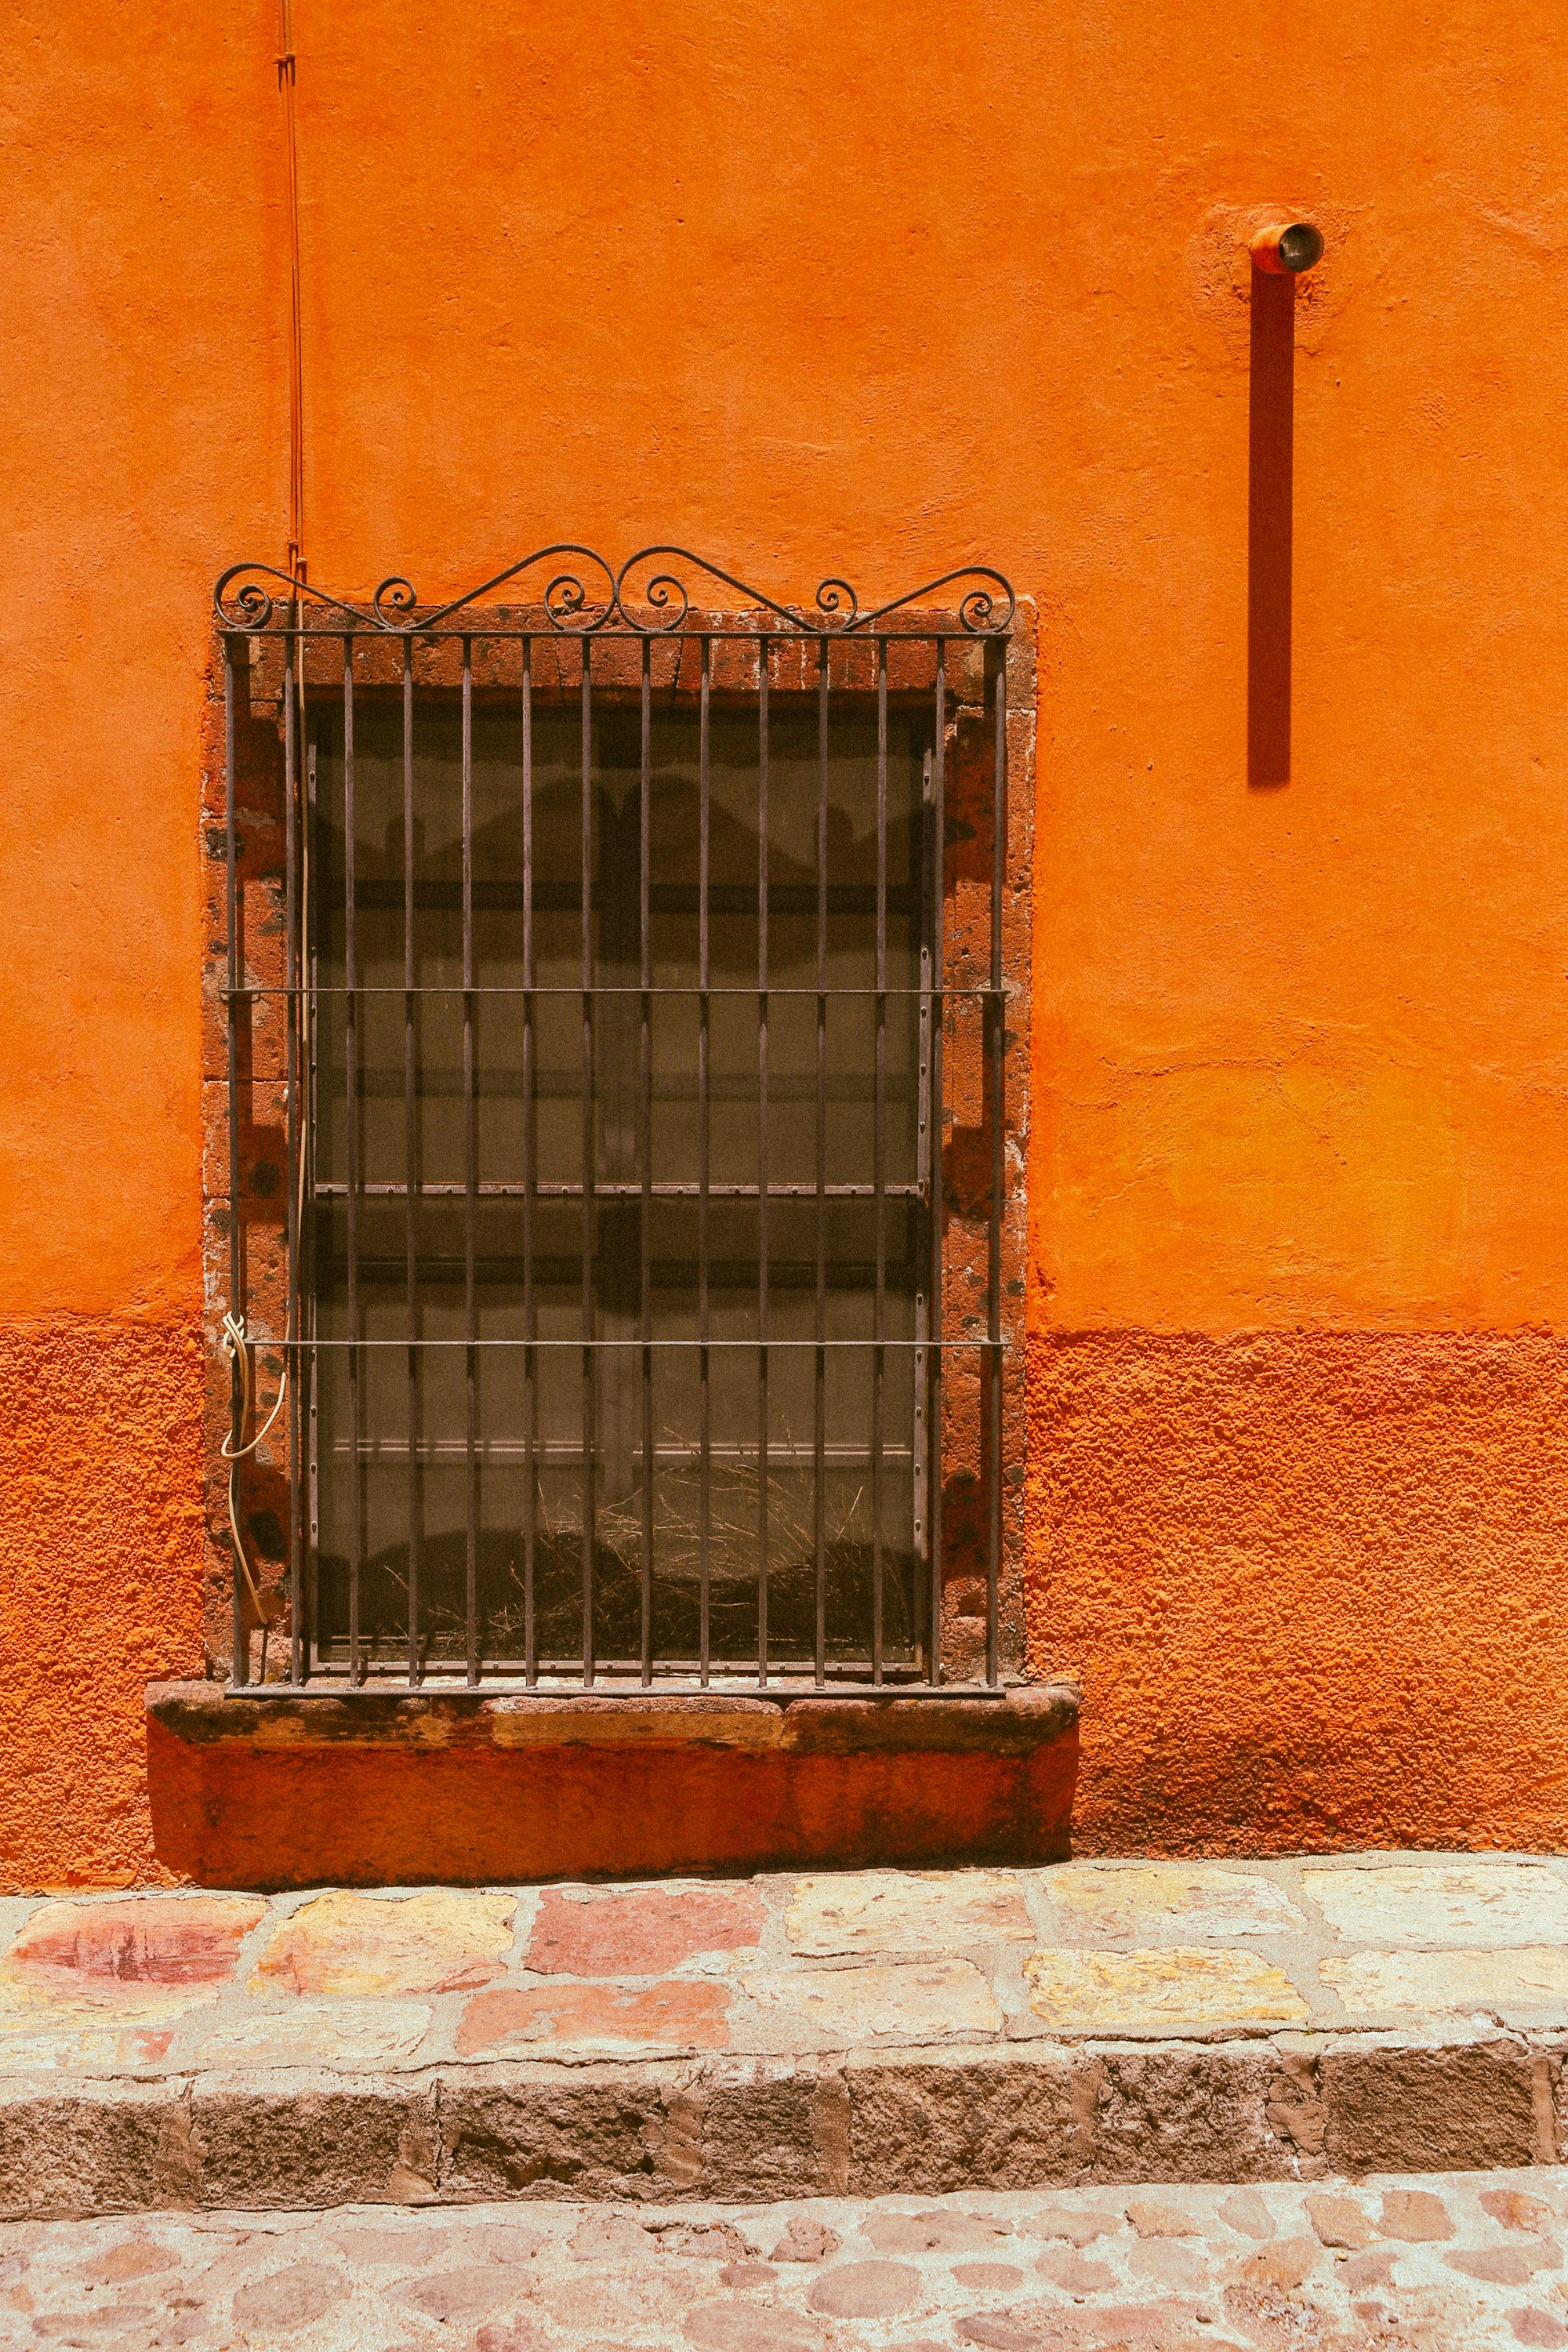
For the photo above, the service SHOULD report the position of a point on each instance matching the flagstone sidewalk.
(856, 2033)
(1471, 2263)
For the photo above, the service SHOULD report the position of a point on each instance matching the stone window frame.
(260, 774)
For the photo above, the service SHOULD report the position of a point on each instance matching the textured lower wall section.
(100, 1587)
(1315, 1586)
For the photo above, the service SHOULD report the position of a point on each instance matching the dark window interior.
(468, 1218)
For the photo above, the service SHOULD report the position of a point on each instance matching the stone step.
(850, 2034)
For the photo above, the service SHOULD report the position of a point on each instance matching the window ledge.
(1016, 1722)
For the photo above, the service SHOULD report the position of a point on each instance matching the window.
(607, 987)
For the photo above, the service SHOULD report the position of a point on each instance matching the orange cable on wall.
(236, 1342)
(296, 351)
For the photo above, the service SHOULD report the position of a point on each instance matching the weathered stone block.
(773, 2130)
(1159, 2217)
(837, 2009)
(364, 2142)
(345, 2036)
(1503, 2265)
(1186, 1984)
(1247, 2213)
(285, 2299)
(623, 2021)
(942, 2231)
(147, 1956)
(1295, 2110)
(1515, 2209)
(33, 2041)
(1529, 1982)
(1339, 2222)
(440, 1941)
(551, 2131)
(1416, 2216)
(642, 1931)
(1061, 2266)
(1169, 2113)
(875, 2290)
(1278, 2268)
(907, 1911)
(1420, 1902)
(1136, 1900)
(923, 2127)
(111, 2147)
(1423, 2107)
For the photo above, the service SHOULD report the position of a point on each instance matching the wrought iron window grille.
(599, 978)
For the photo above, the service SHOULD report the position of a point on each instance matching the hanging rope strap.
(236, 1348)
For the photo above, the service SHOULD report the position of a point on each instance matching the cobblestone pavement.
(1466, 2261)
(168, 1984)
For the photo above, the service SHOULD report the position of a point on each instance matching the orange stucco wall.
(871, 291)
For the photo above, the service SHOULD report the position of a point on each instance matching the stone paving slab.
(1474, 2263)
(786, 2034)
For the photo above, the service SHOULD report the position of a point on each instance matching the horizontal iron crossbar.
(976, 990)
(782, 1688)
(601, 1189)
(771, 1346)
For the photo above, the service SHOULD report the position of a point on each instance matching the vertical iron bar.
(819, 1443)
(644, 1153)
(878, 1172)
(998, 1106)
(313, 896)
(529, 1134)
(350, 1171)
(762, 1159)
(935, 1392)
(704, 1425)
(292, 1362)
(589, 1516)
(471, 1186)
(921, 1397)
(240, 1645)
(410, 1164)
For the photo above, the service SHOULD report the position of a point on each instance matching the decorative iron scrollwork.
(648, 602)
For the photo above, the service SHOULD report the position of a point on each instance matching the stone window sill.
(1022, 1719)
